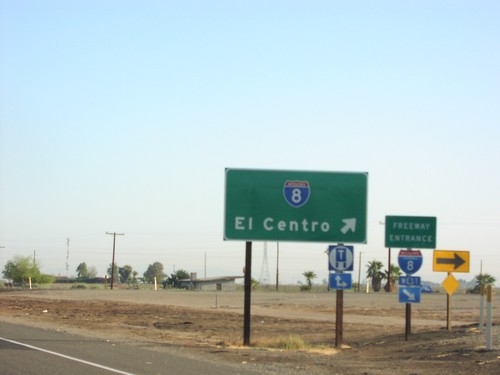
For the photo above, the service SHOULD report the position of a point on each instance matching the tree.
(482, 279)
(390, 285)
(174, 278)
(134, 277)
(20, 269)
(154, 270)
(182, 274)
(126, 274)
(82, 272)
(310, 276)
(116, 274)
(254, 283)
(92, 272)
(374, 272)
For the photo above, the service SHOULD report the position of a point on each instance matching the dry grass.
(291, 342)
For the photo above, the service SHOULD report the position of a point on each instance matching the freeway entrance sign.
(272, 205)
(450, 261)
(411, 232)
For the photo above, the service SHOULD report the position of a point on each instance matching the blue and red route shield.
(296, 193)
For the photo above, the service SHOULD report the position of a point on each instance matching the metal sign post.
(450, 261)
(408, 322)
(410, 262)
(339, 319)
(481, 308)
(488, 318)
(248, 293)
(341, 258)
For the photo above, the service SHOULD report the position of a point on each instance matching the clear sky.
(122, 115)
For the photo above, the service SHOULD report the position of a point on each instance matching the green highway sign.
(411, 232)
(270, 205)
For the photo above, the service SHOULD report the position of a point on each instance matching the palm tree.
(309, 275)
(374, 272)
(390, 286)
(482, 279)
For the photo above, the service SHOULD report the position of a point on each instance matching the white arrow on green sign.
(295, 206)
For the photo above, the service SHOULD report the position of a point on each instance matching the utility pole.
(359, 271)
(67, 256)
(114, 234)
(277, 265)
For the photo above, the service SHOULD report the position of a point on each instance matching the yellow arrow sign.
(451, 261)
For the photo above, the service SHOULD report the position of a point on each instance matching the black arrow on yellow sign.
(456, 261)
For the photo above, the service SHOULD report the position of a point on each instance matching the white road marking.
(68, 357)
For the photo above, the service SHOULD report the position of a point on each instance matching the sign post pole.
(488, 319)
(410, 262)
(448, 309)
(248, 293)
(481, 308)
(408, 321)
(339, 321)
(450, 261)
(341, 258)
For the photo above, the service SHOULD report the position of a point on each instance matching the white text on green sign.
(412, 232)
(295, 206)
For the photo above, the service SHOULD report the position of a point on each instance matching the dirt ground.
(210, 324)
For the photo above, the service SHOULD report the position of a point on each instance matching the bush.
(79, 286)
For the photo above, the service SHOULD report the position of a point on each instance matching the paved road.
(33, 351)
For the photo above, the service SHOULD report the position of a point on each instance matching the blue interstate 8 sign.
(410, 261)
(296, 193)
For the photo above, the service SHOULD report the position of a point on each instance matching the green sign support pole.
(248, 294)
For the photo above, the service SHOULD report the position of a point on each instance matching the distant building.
(220, 283)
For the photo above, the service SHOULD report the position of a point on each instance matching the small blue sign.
(409, 294)
(410, 261)
(296, 193)
(409, 280)
(341, 258)
(340, 281)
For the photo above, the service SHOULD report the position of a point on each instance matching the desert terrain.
(291, 332)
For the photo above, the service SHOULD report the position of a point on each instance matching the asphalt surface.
(27, 350)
